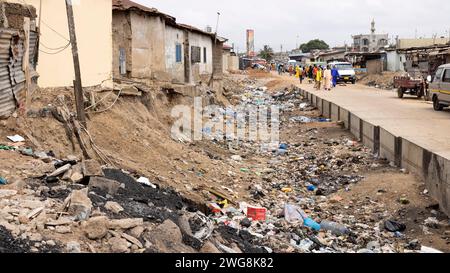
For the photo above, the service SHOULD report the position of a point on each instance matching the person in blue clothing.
(334, 75)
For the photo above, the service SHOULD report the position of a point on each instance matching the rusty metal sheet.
(12, 77)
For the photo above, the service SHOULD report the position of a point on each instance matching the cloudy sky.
(288, 23)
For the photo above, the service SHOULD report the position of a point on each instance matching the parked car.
(258, 66)
(346, 72)
(440, 88)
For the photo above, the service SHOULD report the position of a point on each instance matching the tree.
(266, 53)
(314, 44)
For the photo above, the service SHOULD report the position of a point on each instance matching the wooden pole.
(26, 63)
(78, 88)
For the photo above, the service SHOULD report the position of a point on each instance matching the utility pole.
(78, 87)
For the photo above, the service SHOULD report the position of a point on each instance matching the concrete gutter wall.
(432, 168)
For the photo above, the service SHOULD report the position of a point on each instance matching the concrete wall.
(387, 145)
(326, 111)
(412, 156)
(408, 43)
(225, 59)
(433, 168)
(374, 66)
(345, 117)
(334, 112)
(122, 38)
(93, 20)
(318, 103)
(436, 173)
(395, 61)
(368, 131)
(174, 36)
(148, 45)
(233, 63)
(198, 69)
(355, 126)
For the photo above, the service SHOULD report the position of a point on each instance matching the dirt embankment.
(385, 80)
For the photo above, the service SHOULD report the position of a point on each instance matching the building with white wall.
(93, 20)
(148, 44)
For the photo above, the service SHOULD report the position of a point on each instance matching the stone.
(104, 184)
(432, 222)
(209, 247)
(91, 167)
(7, 193)
(236, 158)
(35, 237)
(137, 231)
(63, 229)
(60, 170)
(125, 223)
(76, 177)
(63, 221)
(67, 175)
(79, 204)
(96, 227)
(77, 174)
(129, 90)
(132, 240)
(43, 156)
(118, 245)
(73, 247)
(51, 243)
(72, 158)
(114, 207)
(167, 238)
(373, 245)
(23, 219)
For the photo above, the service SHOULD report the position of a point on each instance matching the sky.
(291, 23)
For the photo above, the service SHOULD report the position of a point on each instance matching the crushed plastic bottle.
(335, 228)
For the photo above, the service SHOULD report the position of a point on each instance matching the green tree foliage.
(266, 53)
(314, 44)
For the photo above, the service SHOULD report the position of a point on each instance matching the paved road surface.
(410, 118)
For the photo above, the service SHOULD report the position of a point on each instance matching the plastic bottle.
(308, 222)
(335, 228)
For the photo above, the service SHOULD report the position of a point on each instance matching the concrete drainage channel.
(432, 168)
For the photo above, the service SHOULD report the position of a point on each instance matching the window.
(204, 55)
(178, 53)
(438, 75)
(122, 61)
(196, 53)
(446, 77)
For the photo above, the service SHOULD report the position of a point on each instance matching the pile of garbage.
(292, 209)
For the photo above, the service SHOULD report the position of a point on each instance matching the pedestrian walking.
(299, 73)
(335, 75)
(327, 78)
(319, 77)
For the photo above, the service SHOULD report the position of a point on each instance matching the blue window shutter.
(178, 53)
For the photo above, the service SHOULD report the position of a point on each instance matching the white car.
(345, 70)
